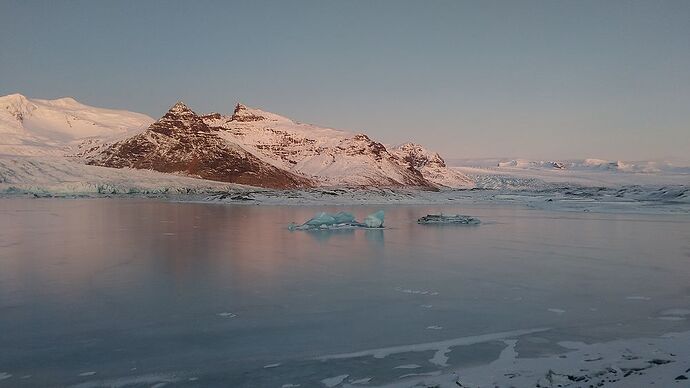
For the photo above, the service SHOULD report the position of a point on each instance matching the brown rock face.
(180, 142)
(242, 114)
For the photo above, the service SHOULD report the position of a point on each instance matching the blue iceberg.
(340, 220)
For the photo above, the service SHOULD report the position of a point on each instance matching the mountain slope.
(325, 155)
(47, 127)
(180, 142)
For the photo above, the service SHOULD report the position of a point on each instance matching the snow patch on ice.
(439, 346)
(334, 381)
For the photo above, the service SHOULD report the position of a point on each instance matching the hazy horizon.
(537, 80)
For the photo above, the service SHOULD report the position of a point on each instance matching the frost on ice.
(340, 220)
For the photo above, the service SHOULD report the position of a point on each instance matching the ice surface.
(448, 219)
(340, 220)
(640, 362)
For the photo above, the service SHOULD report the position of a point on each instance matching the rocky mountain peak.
(180, 108)
(179, 118)
(417, 156)
(243, 114)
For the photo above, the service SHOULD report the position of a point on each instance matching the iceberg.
(340, 220)
(374, 220)
(443, 219)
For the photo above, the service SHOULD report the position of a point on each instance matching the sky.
(470, 79)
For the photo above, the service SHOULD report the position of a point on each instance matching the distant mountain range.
(250, 147)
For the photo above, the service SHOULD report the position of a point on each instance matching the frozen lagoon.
(139, 292)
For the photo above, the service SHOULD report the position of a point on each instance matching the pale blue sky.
(537, 79)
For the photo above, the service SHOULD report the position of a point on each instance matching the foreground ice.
(658, 361)
(340, 220)
(448, 219)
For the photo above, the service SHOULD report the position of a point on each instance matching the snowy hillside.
(47, 127)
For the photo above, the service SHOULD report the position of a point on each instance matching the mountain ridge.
(251, 146)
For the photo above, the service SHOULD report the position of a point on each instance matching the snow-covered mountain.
(181, 142)
(256, 147)
(46, 127)
(328, 156)
(251, 146)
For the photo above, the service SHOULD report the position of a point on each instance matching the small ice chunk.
(557, 311)
(227, 315)
(334, 381)
(435, 327)
(84, 374)
(408, 366)
(4, 376)
(374, 220)
(365, 380)
(269, 366)
(448, 219)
